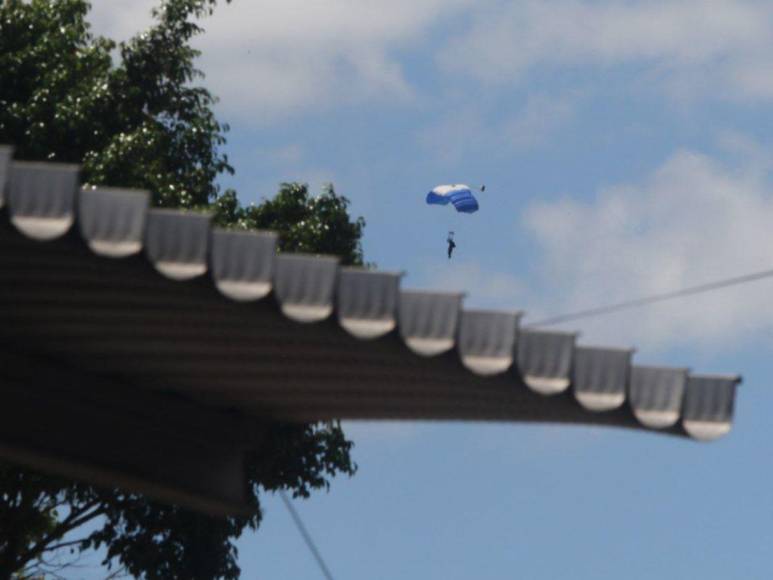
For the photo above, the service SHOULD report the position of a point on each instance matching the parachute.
(462, 199)
(459, 195)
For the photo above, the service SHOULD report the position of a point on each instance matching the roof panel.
(427, 320)
(367, 302)
(196, 350)
(656, 395)
(99, 314)
(305, 285)
(708, 406)
(41, 198)
(176, 242)
(545, 360)
(6, 153)
(112, 221)
(242, 263)
(600, 377)
(487, 340)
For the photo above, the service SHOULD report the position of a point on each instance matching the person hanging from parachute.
(451, 244)
(462, 199)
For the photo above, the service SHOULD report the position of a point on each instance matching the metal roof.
(161, 302)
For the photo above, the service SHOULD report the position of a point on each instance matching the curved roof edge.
(44, 202)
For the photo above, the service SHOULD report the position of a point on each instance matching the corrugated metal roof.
(97, 279)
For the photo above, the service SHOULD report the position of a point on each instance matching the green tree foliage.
(304, 223)
(133, 116)
(138, 123)
(29, 505)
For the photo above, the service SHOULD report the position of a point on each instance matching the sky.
(626, 150)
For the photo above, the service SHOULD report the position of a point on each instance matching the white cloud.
(539, 119)
(450, 139)
(121, 19)
(690, 46)
(278, 56)
(531, 127)
(268, 58)
(695, 220)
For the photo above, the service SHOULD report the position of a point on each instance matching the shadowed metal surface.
(601, 377)
(213, 317)
(367, 301)
(242, 262)
(708, 406)
(304, 286)
(95, 428)
(545, 360)
(487, 340)
(5, 161)
(112, 221)
(41, 198)
(656, 395)
(427, 321)
(176, 243)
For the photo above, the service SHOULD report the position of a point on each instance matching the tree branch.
(64, 544)
(74, 519)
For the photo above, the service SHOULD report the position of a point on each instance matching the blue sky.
(626, 148)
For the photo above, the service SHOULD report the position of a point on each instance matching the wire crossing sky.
(306, 536)
(612, 308)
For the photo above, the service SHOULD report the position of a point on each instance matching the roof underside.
(150, 305)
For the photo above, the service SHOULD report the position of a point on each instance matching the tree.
(139, 121)
(304, 223)
(137, 124)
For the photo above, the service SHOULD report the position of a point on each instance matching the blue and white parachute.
(458, 194)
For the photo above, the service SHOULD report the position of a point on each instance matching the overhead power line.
(601, 310)
(306, 536)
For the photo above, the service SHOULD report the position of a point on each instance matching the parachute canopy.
(459, 195)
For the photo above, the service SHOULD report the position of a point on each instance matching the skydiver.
(451, 245)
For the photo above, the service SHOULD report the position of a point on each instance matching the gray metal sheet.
(367, 302)
(427, 320)
(6, 153)
(242, 263)
(305, 285)
(207, 355)
(487, 340)
(600, 377)
(176, 242)
(41, 198)
(116, 313)
(656, 395)
(708, 406)
(112, 221)
(545, 360)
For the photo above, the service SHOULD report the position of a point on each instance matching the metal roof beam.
(69, 423)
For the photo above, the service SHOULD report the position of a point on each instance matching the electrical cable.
(306, 536)
(601, 310)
